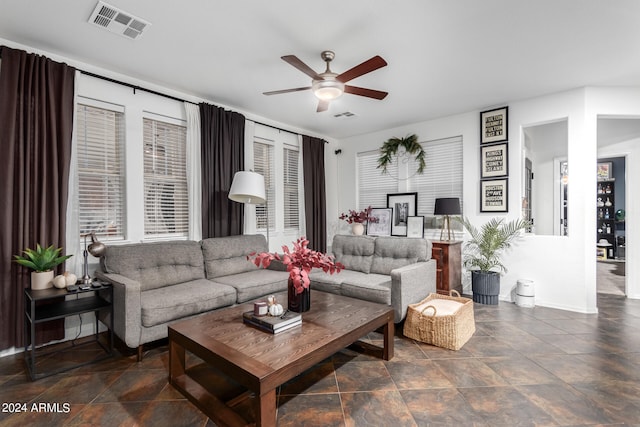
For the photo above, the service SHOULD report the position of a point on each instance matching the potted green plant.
(483, 255)
(42, 261)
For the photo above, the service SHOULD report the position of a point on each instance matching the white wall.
(563, 268)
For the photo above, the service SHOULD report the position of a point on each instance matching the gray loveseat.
(157, 283)
(396, 271)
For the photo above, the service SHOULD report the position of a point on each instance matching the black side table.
(61, 304)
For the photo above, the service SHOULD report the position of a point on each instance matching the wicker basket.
(447, 331)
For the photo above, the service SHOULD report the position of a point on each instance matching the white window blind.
(101, 178)
(373, 185)
(165, 180)
(264, 164)
(442, 176)
(291, 157)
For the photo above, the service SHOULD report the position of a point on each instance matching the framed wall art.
(493, 125)
(415, 227)
(403, 205)
(383, 226)
(494, 195)
(494, 160)
(605, 170)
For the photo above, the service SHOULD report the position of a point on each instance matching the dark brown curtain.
(315, 201)
(222, 157)
(36, 122)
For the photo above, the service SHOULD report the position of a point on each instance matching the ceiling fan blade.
(322, 106)
(278, 92)
(369, 93)
(364, 68)
(293, 60)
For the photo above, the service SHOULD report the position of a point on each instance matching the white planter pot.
(357, 228)
(42, 280)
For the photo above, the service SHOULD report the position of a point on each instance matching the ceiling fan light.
(327, 90)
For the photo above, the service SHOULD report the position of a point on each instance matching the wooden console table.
(448, 258)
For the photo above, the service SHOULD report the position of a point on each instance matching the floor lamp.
(248, 187)
(447, 206)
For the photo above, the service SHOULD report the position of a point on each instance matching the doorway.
(618, 140)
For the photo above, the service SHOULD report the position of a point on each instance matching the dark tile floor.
(523, 367)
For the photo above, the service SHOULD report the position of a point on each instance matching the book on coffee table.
(273, 324)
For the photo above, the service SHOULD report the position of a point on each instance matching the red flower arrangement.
(362, 216)
(299, 262)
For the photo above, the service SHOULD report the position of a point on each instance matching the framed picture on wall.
(605, 170)
(415, 227)
(494, 195)
(403, 205)
(494, 160)
(382, 227)
(493, 125)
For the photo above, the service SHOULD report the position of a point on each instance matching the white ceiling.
(445, 57)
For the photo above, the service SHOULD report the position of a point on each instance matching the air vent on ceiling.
(345, 115)
(117, 21)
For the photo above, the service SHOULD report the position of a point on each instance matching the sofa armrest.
(411, 284)
(127, 310)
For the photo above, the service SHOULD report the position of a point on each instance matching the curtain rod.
(136, 87)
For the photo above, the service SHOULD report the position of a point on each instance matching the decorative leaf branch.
(410, 145)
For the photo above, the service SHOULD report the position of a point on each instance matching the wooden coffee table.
(260, 361)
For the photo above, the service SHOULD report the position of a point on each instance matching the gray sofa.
(157, 283)
(396, 271)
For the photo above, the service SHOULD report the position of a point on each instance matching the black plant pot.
(485, 286)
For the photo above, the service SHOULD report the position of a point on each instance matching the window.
(373, 186)
(101, 180)
(441, 178)
(264, 164)
(276, 155)
(443, 175)
(165, 180)
(290, 188)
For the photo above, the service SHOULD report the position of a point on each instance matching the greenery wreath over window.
(410, 145)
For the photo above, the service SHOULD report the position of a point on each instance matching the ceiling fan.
(328, 85)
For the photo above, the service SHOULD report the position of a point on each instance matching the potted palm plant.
(42, 261)
(483, 255)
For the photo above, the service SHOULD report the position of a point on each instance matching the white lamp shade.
(248, 187)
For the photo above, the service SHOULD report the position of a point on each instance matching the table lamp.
(447, 206)
(96, 248)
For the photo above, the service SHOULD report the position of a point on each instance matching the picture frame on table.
(494, 125)
(415, 227)
(383, 226)
(403, 205)
(494, 160)
(494, 195)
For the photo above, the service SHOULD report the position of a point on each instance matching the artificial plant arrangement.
(483, 254)
(299, 261)
(41, 259)
(409, 144)
(358, 216)
(485, 249)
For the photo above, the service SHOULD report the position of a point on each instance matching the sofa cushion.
(395, 252)
(325, 282)
(256, 283)
(228, 255)
(354, 252)
(369, 287)
(162, 305)
(155, 265)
